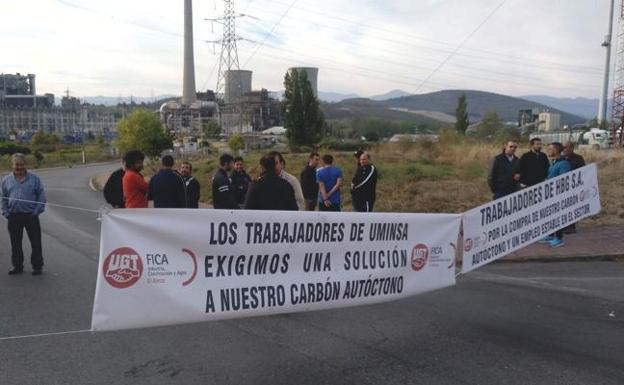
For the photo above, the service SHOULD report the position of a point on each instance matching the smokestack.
(602, 107)
(188, 88)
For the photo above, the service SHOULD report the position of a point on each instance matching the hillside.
(585, 107)
(479, 103)
(366, 108)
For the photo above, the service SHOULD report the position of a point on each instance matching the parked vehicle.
(594, 138)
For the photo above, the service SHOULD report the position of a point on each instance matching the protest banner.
(505, 225)
(170, 266)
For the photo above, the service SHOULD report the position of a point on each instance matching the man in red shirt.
(134, 186)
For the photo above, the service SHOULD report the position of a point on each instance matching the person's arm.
(250, 199)
(291, 201)
(194, 193)
(523, 169)
(108, 190)
(181, 193)
(491, 179)
(150, 190)
(367, 179)
(298, 192)
(41, 197)
(4, 195)
(336, 187)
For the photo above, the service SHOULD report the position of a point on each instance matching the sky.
(367, 47)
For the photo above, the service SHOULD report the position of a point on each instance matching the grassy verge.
(449, 176)
(66, 157)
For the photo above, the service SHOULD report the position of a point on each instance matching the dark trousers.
(332, 207)
(17, 224)
(501, 193)
(363, 205)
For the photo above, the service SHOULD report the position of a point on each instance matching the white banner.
(168, 266)
(505, 225)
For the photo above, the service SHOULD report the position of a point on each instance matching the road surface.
(558, 323)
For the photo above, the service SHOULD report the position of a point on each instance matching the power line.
(270, 32)
(450, 56)
(409, 66)
(395, 32)
(411, 82)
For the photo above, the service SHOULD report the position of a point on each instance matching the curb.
(572, 258)
(92, 184)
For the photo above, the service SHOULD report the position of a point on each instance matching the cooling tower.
(237, 82)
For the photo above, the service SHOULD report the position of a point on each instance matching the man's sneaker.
(547, 239)
(16, 270)
(37, 271)
(556, 242)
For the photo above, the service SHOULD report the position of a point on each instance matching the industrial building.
(245, 110)
(23, 111)
(549, 121)
(19, 91)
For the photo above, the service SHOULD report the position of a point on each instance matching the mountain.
(328, 96)
(390, 95)
(440, 107)
(367, 108)
(585, 107)
(479, 103)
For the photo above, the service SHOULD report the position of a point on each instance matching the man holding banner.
(558, 166)
(504, 174)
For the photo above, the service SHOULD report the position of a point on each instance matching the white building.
(549, 121)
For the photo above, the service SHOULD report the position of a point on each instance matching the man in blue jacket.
(558, 166)
(23, 199)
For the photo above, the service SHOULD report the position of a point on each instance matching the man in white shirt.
(280, 165)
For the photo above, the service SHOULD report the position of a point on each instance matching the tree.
(39, 138)
(142, 130)
(490, 125)
(303, 118)
(211, 128)
(236, 143)
(38, 158)
(461, 114)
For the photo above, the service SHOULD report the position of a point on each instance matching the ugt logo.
(420, 254)
(123, 268)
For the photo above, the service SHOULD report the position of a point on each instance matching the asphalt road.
(553, 323)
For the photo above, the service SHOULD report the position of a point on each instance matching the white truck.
(593, 138)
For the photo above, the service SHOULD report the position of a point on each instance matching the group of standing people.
(168, 188)
(509, 173)
(233, 188)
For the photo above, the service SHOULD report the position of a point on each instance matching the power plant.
(235, 104)
(23, 111)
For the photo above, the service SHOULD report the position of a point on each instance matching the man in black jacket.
(166, 188)
(575, 160)
(240, 181)
(308, 182)
(504, 173)
(364, 185)
(191, 185)
(533, 164)
(222, 193)
(270, 192)
(113, 189)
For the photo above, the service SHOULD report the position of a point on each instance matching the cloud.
(365, 46)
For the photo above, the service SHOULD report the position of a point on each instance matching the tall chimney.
(188, 91)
